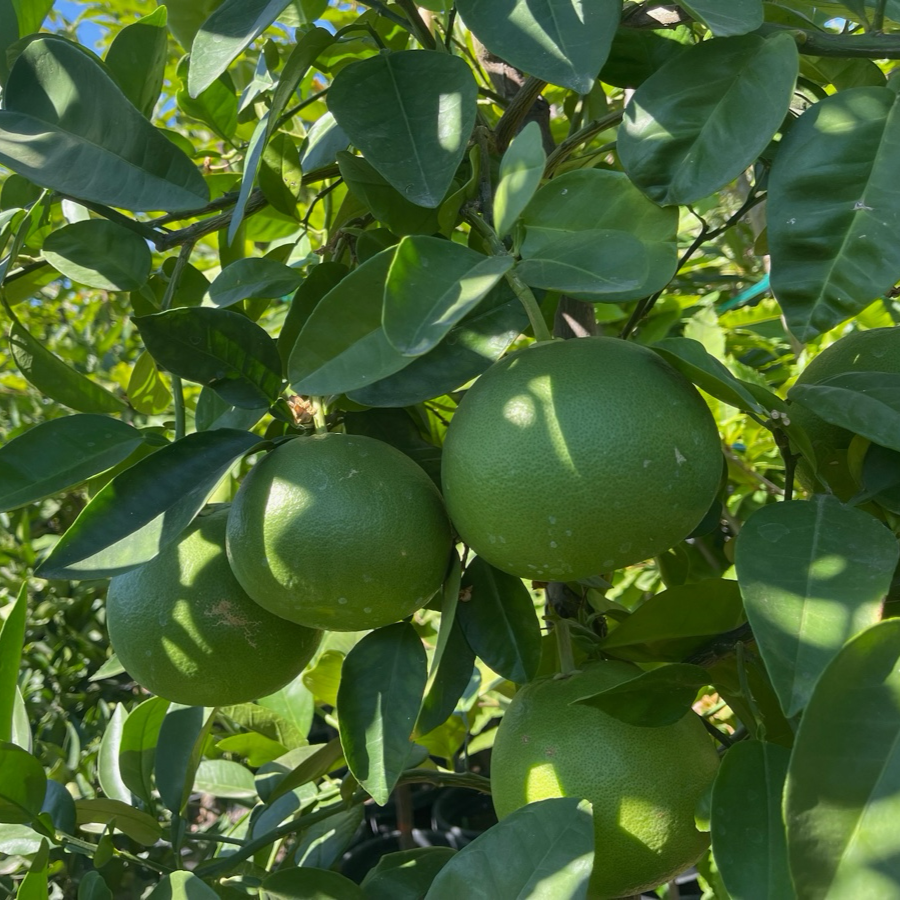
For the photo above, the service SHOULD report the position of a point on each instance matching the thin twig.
(419, 28)
(582, 136)
(515, 113)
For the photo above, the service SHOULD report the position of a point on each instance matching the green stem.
(319, 411)
(418, 26)
(180, 263)
(821, 43)
(745, 690)
(878, 16)
(582, 136)
(446, 779)
(564, 646)
(144, 229)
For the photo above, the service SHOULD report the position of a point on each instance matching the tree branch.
(515, 113)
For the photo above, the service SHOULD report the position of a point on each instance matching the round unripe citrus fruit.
(339, 531)
(643, 783)
(572, 458)
(184, 628)
(876, 350)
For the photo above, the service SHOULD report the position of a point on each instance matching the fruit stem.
(319, 415)
(564, 646)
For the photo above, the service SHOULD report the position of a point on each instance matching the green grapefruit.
(339, 531)
(644, 783)
(184, 628)
(576, 457)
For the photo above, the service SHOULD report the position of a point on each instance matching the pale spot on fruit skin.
(367, 609)
(350, 474)
(568, 532)
(678, 457)
(551, 520)
(342, 600)
(553, 544)
(647, 462)
(226, 613)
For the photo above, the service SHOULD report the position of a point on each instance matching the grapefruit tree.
(544, 359)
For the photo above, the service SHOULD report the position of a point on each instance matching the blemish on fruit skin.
(226, 613)
(342, 600)
(679, 458)
(551, 520)
(367, 609)
(553, 545)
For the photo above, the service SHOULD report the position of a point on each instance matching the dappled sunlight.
(450, 130)
(520, 411)
(844, 118)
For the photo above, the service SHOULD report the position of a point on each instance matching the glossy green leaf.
(186, 17)
(309, 884)
(34, 885)
(411, 114)
(51, 376)
(182, 886)
(543, 851)
(137, 59)
(469, 349)
(60, 453)
(725, 19)
(257, 748)
(217, 106)
(254, 277)
(693, 360)
(431, 285)
(521, 170)
(21, 723)
(147, 392)
(320, 280)
(19, 840)
(181, 738)
(841, 796)
(748, 835)
(813, 573)
(58, 808)
(673, 624)
(12, 638)
(704, 117)
(451, 678)
(138, 825)
(225, 34)
(268, 722)
(499, 621)
(318, 763)
(592, 264)
(834, 209)
(406, 875)
(381, 690)
(342, 345)
(213, 412)
(294, 703)
(597, 199)
(880, 477)
(216, 347)
(324, 141)
(108, 772)
(137, 746)
(659, 697)
(564, 42)
(93, 887)
(223, 778)
(280, 175)
(23, 785)
(322, 844)
(145, 508)
(18, 18)
(100, 149)
(866, 403)
(387, 204)
(252, 160)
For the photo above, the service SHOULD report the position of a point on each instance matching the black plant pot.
(357, 861)
(462, 815)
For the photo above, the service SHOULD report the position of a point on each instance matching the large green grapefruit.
(185, 629)
(572, 458)
(644, 783)
(339, 531)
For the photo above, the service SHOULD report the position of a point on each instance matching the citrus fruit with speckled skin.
(644, 783)
(184, 628)
(577, 457)
(876, 350)
(339, 531)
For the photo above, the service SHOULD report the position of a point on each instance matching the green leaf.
(219, 348)
(93, 887)
(866, 403)
(138, 825)
(223, 778)
(387, 204)
(321, 761)
(659, 697)
(252, 160)
(813, 573)
(324, 141)
(280, 175)
(592, 264)
(182, 886)
(294, 703)
(833, 250)
(451, 678)
(564, 42)
(406, 875)
(254, 277)
(597, 199)
(257, 748)
(267, 722)
(12, 638)
(841, 795)
(342, 345)
(147, 392)
(181, 738)
(521, 170)
(137, 746)
(543, 850)
(320, 280)
(21, 724)
(469, 349)
(499, 621)
(51, 376)
(216, 107)
(382, 684)
(675, 623)
(58, 454)
(137, 59)
(34, 885)
(704, 117)
(693, 360)
(145, 508)
(431, 285)
(213, 412)
(104, 150)
(23, 785)
(748, 836)
(323, 843)
(108, 772)
(18, 19)
(411, 114)
(230, 29)
(309, 884)
(725, 19)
